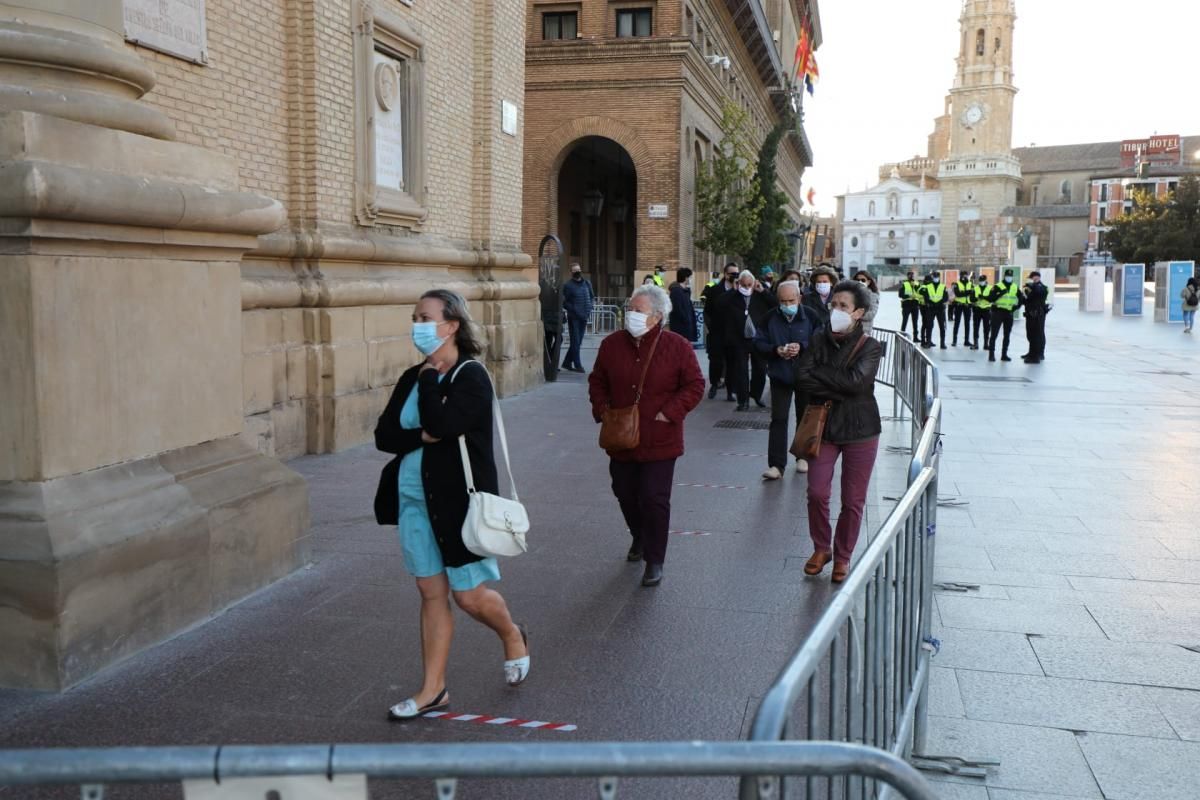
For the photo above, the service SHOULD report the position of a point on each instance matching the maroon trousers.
(643, 490)
(858, 461)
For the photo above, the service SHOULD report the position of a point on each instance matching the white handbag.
(495, 525)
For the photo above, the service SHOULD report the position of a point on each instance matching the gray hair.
(746, 274)
(660, 301)
(454, 308)
(793, 284)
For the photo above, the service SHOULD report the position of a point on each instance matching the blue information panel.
(1133, 287)
(1178, 273)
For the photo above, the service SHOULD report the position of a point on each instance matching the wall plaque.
(175, 27)
(389, 122)
(658, 211)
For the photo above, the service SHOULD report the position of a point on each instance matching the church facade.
(893, 224)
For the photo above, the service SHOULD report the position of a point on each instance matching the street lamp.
(593, 203)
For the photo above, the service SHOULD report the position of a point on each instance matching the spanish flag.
(803, 54)
(812, 73)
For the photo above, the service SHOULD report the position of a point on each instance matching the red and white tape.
(710, 485)
(505, 722)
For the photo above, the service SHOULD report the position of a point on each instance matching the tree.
(1159, 229)
(728, 203)
(770, 238)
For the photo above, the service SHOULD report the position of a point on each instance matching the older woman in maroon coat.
(642, 477)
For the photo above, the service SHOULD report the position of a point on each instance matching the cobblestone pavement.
(1067, 663)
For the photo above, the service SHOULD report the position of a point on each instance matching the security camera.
(725, 62)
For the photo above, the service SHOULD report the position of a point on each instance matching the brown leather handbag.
(811, 430)
(620, 428)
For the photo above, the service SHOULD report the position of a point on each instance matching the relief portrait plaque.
(389, 122)
(174, 27)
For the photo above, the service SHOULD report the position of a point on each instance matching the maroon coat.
(674, 386)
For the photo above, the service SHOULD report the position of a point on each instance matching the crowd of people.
(970, 299)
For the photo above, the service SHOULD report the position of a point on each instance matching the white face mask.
(840, 321)
(635, 323)
(746, 291)
(823, 289)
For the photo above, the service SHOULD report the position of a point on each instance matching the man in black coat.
(578, 298)
(682, 319)
(742, 313)
(1036, 307)
(714, 340)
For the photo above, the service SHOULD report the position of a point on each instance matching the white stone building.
(892, 224)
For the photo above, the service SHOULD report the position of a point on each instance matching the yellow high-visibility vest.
(1008, 300)
(962, 293)
(983, 299)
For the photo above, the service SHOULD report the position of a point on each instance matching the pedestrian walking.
(868, 320)
(714, 339)
(1191, 302)
(1036, 309)
(578, 299)
(910, 305)
(1005, 299)
(839, 369)
(960, 309)
(816, 298)
(783, 338)
(934, 299)
(423, 490)
(683, 312)
(983, 313)
(742, 313)
(654, 370)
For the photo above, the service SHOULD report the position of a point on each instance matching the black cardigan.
(448, 409)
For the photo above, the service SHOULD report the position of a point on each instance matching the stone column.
(129, 507)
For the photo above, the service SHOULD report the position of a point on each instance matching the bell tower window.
(980, 38)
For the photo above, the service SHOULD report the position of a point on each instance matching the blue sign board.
(1178, 273)
(1133, 287)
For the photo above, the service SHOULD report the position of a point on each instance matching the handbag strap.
(462, 440)
(637, 398)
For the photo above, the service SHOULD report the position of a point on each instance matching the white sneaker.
(801, 465)
(772, 474)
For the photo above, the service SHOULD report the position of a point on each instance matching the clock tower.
(980, 176)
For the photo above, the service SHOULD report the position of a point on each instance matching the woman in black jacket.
(423, 490)
(839, 368)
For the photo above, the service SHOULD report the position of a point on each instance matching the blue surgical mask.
(424, 336)
(789, 310)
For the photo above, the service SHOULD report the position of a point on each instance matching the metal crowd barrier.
(862, 675)
(912, 376)
(605, 319)
(446, 763)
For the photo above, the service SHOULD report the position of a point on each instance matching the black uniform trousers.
(961, 312)
(734, 364)
(934, 313)
(783, 397)
(1001, 319)
(983, 318)
(745, 372)
(910, 309)
(1035, 332)
(716, 360)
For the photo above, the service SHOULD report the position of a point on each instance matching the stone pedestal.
(129, 506)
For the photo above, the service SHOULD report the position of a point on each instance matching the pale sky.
(1087, 71)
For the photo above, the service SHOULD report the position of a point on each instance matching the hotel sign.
(1155, 150)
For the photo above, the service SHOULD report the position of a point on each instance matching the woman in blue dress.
(423, 491)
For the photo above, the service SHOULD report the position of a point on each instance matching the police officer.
(960, 309)
(1036, 307)
(983, 312)
(909, 305)
(657, 277)
(934, 294)
(1006, 299)
(923, 307)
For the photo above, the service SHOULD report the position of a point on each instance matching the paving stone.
(1071, 543)
(962, 557)
(985, 577)
(947, 790)
(1074, 597)
(1144, 625)
(1163, 569)
(1182, 710)
(1143, 663)
(986, 650)
(1100, 566)
(1010, 615)
(1060, 703)
(1131, 768)
(1152, 588)
(1031, 759)
(1009, 794)
(945, 700)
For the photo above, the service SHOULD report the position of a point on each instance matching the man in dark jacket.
(683, 312)
(742, 313)
(1036, 295)
(578, 297)
(714, 340)
(784, 336)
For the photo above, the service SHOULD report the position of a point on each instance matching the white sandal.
(409, 709)
(516, 670)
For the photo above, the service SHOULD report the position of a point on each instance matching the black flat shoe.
(635, 552)
(759, 403)
(653, 575)
(712, 392)
(408, 709)
(743, 407)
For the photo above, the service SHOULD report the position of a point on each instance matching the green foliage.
(728, 203)
(770, 239)
(1159, 229)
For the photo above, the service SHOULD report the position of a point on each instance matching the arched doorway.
(597, 213)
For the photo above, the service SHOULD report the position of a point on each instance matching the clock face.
(973, 114)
